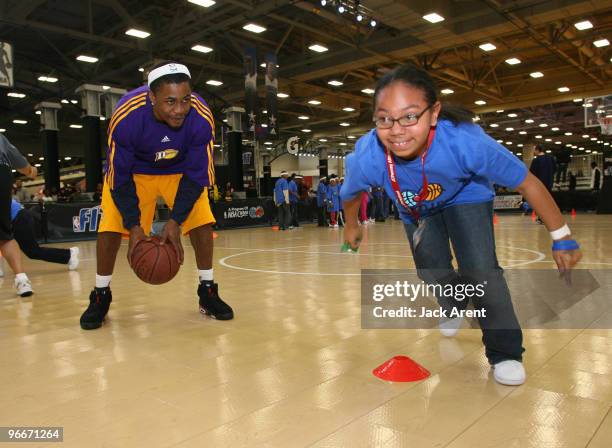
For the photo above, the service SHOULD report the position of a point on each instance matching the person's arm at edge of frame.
(352, 230)
(543, 203)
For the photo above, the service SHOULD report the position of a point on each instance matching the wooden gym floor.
(294, 367)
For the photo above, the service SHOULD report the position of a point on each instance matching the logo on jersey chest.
(433, 192)
(166, 154)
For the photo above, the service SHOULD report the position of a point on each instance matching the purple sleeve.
(120, 155)
(201, 168)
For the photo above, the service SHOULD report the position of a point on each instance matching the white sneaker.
(1, 270)
(509, 372)
(73, 263)
(450, 327)
(24, 287)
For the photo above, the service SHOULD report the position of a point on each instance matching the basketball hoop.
(606, 125)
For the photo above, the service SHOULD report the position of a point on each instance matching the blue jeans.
(469, 228)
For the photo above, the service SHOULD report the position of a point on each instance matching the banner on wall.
(250, 87)
(6, 65)
(271, 92)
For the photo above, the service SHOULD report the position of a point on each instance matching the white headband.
(168, 69)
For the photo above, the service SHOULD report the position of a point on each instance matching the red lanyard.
(395, 184)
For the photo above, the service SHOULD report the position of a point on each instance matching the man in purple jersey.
(160, 143)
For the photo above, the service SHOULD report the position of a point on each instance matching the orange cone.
(215, 235)
(401, 369)
(573, 213)
(495, 219)
(274, 227)
(533, 215)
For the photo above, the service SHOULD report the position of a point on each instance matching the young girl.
(439, 167)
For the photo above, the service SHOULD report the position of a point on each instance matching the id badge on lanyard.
(395, 184)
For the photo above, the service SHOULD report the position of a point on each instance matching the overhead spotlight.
(359, 17)
(323, 2)
(341, 9)
(373, 23)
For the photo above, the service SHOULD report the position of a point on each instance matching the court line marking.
(224, 261)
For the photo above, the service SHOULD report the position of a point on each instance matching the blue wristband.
(565, 245)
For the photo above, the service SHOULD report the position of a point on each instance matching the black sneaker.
(211, 304)
(99, 303)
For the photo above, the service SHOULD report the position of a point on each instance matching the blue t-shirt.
(280, 186)
(293, 199)
(16, 207)
(321, 194)
(461, 166)
(333, 195)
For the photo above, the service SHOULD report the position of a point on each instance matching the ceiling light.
(254, 28)
(304, 117)
(204, 3)
(85, 58)
(318, 48)
(543, 125)
(67, 158)
(20, 122)
(314, 102)
(37, 165)
(584, 25)
(351, 137)
(47, 78)
(558, 143)
(342, 144)
(367, 91)
(536, 74)
(348, 109)
(447, 91)
(373, 23)
(548, 140)
(480, 102)
(268, 143)
(509, 129)
(433, 17)
(282, 95)
(38, 112)
(508, 143)
(323, 140)
(16, 95)
(601, 43)
(529, 120)
(513, 61)
(264, 111)
(345, 124)
(568, 133)
(214, 82)
(335, 83)
(64, 101)
(76, 126)
(512, 115)
(137, 33)
(487, 47)
(577, 100)
(341, 9)
(306, 130)
(140, 69)
(585, 136)
(203, 49)
(359, 17)
(500, 111)
(263, 125)
(105, 87)
(563, 89)
(523, 132)
(74, 101)
(4, 130)
(494, 125)
(538, 136)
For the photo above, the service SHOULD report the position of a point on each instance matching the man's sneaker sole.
(26, 294)
(91, 325)
(227, 316)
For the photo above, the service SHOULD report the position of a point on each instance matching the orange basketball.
(153, 262)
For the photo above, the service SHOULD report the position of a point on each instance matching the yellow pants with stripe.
(148, 188)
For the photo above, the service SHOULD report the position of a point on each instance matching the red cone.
(495, 219)
(573, 213)
(401, 369)
(533, 215)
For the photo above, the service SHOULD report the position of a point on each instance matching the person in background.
(333, 201)
(25, 235)
(228, 193)
(11, 158)
(572, 181)
(322, 201)
(293, 202)
(596, 177)
(281, 200)
(543, 167)
(20, 193)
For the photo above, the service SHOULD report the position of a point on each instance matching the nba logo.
(76, 225)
